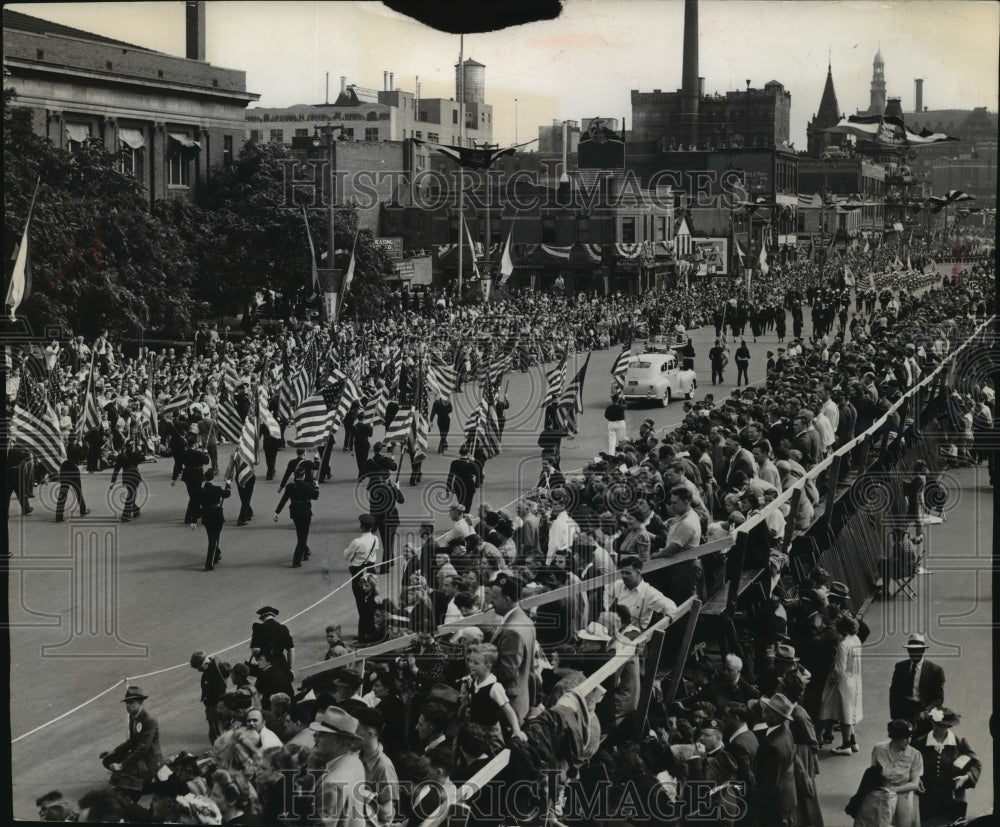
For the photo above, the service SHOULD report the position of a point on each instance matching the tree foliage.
(102, 257)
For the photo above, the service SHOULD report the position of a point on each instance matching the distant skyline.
(585, 63)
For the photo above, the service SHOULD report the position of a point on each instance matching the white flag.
(506, 263)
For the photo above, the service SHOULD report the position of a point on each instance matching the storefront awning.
(132, 138)
(184, 140)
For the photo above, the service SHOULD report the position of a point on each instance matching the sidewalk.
(954, 608)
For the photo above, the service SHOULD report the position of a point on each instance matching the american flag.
(230, 377)
(148, 409)
(246, 451)
(417, 439)
(40, 434)
(348, 395)
(375, 407)
(92, 414)
(313, 421)
(396, 362)
(441, 378)
(244, 470)
(176, 404)
(400, 428)
(620, 367)
(555, 378)
(264, 411)
(483, 428)
(498, 365)
(296, 387)
(571, 401)
(228, 420)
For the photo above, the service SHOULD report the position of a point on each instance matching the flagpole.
(461, 169)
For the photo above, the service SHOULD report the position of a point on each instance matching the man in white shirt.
(460, 526)
(563, 530)
(636, 595)
(255, 720)
(684, 528)
(829, 408)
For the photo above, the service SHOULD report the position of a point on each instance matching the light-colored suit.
(515, 642)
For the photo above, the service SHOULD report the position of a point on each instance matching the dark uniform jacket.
(775, 794)
(463, 476)
(127, 463)
(211, 502)
(293, 463)
(140, 755)
(213, 682)
(301, 495)
(192, 462)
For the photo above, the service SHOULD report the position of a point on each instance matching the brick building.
(173, 118)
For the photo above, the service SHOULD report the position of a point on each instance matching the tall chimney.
(343, 84)
(919, 84)
(392, 82)
(327, 100)
(701, 88)
(385, 81)
(689, 73)
(195, 30)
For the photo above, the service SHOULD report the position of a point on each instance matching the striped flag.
(396, 362)
(175, 404)
(483, 429)
(474, 420)
(348, 395)
(313, 421)
(555, 377)
(244, 470)
(400, 428)
(375, 407)
(264, 411)
(148, 410)
(228, 420)
(870, 286)
(230, 376)
(416, 441)
(246, 450)
(498, 365)
(441, 378)
(571, 401)
(92, 414)
(39, 434)
(620, 368)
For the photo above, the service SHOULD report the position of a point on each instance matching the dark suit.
(190, 468)
(463, 480)
(774, 798)
(210, 500)
(69, 477)
(140, 755)
(744, 748)
(271, 681)
(127, 463)
(930, 689)
(213, 687)
(515, 642)
(293, 463)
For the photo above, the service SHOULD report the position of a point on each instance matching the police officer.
(20, 477)
(69, 477)
(245, 482)
(127, 463)
(300, 495)
(191, 472)
(210, 499)
(362, 443)
(270, 635)
(271, 445)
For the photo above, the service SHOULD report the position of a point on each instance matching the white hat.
(595, 632)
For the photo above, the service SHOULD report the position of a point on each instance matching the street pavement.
(156, 604)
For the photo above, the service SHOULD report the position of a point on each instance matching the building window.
(628, 230)
(301, 133)
(371, 133)
(180, 156)
(227, 151)
(443, 168)
(433, 136)
(661, 228)
(255, 136)
(348, 134)
(419, 134)
(454, 116)
(132, 148)
(277, 136)
(548, 230)
(39, 54)
(76, 134)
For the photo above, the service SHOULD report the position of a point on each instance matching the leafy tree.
(100, 258)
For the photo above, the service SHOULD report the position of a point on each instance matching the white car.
(655, 376)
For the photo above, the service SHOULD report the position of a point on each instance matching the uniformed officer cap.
(267, 610)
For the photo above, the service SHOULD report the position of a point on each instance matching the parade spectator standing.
(514, 638)
(842, 693)
(887, 794)
(742, 363)
(775, 799)
(214, 676)
(340, 793)
(916, 683)
(950, 767)
(360, 554)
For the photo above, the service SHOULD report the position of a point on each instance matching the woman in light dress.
(894, 803)
(842, 693)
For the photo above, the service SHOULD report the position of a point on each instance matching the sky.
(585, 63)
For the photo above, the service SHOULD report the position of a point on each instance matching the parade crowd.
(390, 738)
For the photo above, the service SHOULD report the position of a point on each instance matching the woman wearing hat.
(892, 802)
(842, 693)
(950, 768)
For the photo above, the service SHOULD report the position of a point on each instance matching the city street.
(162, 601)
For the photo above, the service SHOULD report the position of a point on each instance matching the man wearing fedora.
(140, 755)
(950, 768)
(916, 683)
(340, 794)
(514, 638)
(774, 797)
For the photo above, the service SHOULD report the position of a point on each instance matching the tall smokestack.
(327, 87)
(195, 30)
(385, 81)
(392, 82)
(689, 73)
(343, 83)
(919, 84)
